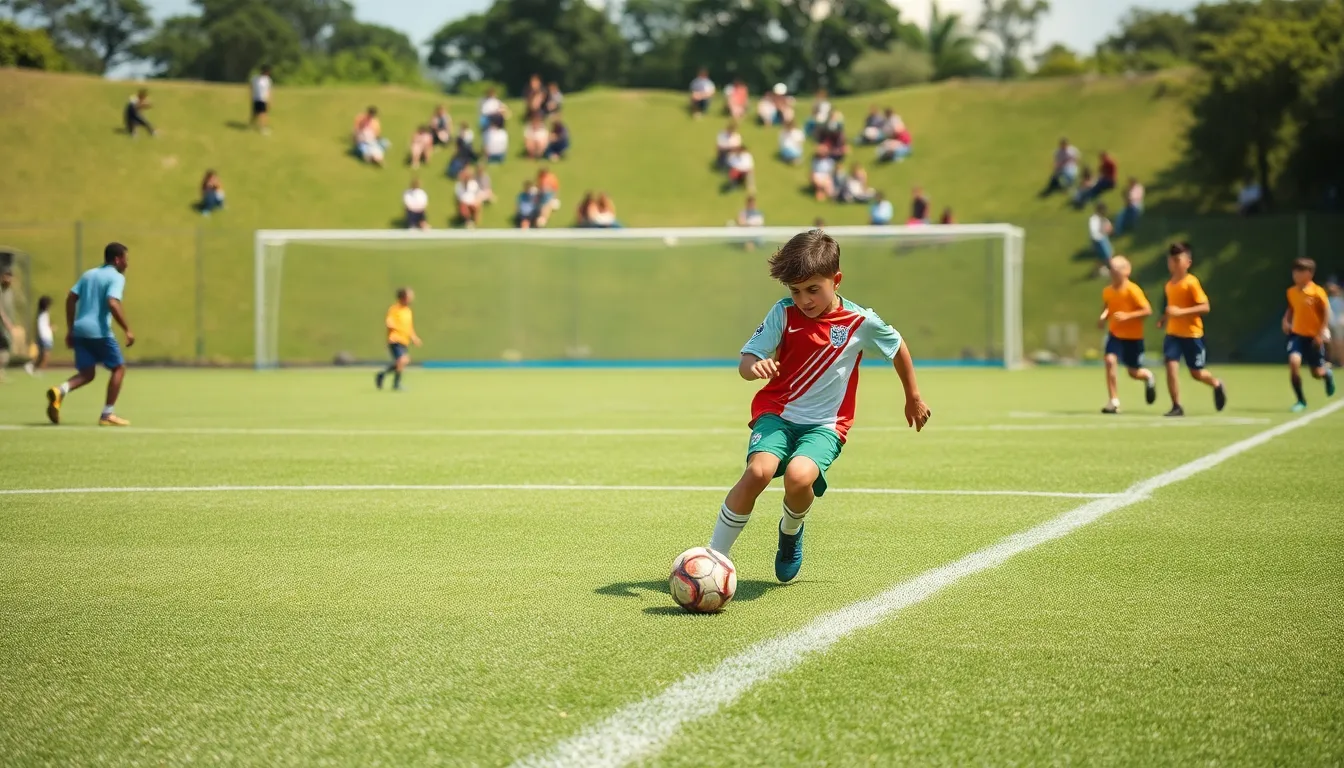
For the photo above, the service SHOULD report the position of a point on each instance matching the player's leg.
(1132, 358)
(112, 360)
(395, 351)
(1295, 376)
(398, 366)
(86, 370)
(1171, 353)
(804, 480)
(770, 444)
(1112, 386)
(1314, 358)
(1196, 355)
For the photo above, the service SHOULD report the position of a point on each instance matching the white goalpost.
(621, 297)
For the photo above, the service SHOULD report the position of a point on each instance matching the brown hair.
(1181, 248)
(1304, 265)
(807, 254)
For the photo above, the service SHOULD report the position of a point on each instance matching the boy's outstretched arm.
(119, 314)
(916, 412)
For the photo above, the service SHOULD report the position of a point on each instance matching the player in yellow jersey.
(1183, 316)
(1124, 306)
(1305, 322)
(400, 333)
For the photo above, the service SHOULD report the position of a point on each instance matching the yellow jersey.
(1311, 308)
(400, 328)
(1183, 294)
(1127, 298)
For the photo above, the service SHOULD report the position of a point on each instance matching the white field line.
(641, 729)
(523, 487)
(613, 432)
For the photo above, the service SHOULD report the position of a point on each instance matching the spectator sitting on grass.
(465, 153)
(422, 146)
(881, 212)
(559, 143)
(791, 141)
(493, 111)
(529, 207)
(583, 214)
(833, 138)
(555, 100)
(724, 144)
(1085, 182)
(1250, 197)
(821, 114)
(212, 193)
(536, 138)
(1129, 217)
(441, 125)
(134, 114)
(735, 99)
(534, 97)
(874, 127)
(856, 189)
(416, 201)
(741, 170)
(823, 174)
(919, 207)
(368, 137)
(775, 107)
(946, 218)
(548, 188)
(468, 193)
(602, 213)
(1099, 232)
(1105, 181)
(483, 181)
(495, 142)
(1064, 168)
(702, 91)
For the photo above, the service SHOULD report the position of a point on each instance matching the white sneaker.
(28, 368)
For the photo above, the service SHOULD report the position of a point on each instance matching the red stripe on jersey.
(830, 361)
(818, 358)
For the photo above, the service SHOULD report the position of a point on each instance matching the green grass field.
(289, 568)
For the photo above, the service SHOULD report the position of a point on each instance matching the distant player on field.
(400, 333)
(1305, 322)
(91, 305)
(1124, 306)
(1183, 316)
(809, 348)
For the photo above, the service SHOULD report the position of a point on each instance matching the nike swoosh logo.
(794, 330)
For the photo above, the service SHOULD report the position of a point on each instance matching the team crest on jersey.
(839, 335)
(755, 437)
(759, 330)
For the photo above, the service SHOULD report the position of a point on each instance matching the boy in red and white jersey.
(809, 349)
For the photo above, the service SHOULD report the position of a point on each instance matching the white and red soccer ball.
(703, 581)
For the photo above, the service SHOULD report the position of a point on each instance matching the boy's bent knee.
(801, 473)
(761, 468)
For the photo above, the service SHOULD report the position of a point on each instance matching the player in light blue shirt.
(90, 307)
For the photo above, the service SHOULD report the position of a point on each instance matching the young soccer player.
(1183, 316)
(1124, 306)
(808, 348)
(45, 339)
(1305, 322)
(400, 332)
(91, 304)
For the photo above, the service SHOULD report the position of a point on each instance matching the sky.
(1079, 24)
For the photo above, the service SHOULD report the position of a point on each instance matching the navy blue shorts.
(1193, 350)
(93, 352)
(397, 350)
(1129, 351)
(1313, 354)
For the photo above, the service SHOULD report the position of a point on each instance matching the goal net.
(620, 296)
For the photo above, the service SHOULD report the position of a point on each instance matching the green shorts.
(783, 439)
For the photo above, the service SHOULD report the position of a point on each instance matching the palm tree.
(950, 47)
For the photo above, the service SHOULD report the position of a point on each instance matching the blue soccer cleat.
(1298, 407)
(1329, 383)
(789, 556)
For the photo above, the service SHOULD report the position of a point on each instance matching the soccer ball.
(703, 581)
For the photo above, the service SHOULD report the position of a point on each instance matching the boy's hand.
(917, 413)
(765, 369)
(1120, 317)
(1286, 327)
(1173, 311)
(415, 340)
(130, 338)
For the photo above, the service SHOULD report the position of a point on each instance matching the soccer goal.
(620, 297)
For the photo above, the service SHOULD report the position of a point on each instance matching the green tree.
(1059, 61)
(28, 48)
(1149, 40)
(176, 48)
(107, 31)
(657, 33)
(1012, 24)
(899, 66)
(950, 47)
(351, 35)
(241, 42)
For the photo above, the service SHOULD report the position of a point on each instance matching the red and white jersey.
(818, 362)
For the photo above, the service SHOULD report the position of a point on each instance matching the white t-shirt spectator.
(822, 111)
(742, 162)
(44, 328)
(1096, 226)
(1066, 159)
(468, 192)
(496, 141)
(537, 132)
(881, 212)
(752, 217)
(415, 200)
(727, 140)
(261, 88)
(792, 139)
(490, 106)
(702, 87)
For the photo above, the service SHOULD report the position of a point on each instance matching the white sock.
(107, 411)
(730, 524)
(1115, 402)
(791, 522)
(65, 388)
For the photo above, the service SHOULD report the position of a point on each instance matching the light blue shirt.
(881, 212)
(93, 314)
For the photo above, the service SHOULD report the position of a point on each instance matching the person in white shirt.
(536, 137)
(823, 175)
(468, 193)
(791, 141)
(741, 166)
(261, 101)
(727, 141)
(702, 91)
(1064, 169)
(1099, 230)
(496, 143)
(821, 114)
(46, 340)
(1249, 197)
(416, 201)
(881, 212)
(493, 110)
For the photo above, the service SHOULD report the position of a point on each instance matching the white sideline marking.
(525, 487)
(640, 729)
(1121, 423)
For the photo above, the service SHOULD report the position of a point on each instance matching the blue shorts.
(1103, 249)
(1313, 354)
(1193, 350)
(397, 350)
(93, 352)
(1128, 351)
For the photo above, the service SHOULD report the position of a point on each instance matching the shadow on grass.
(237, 125)
(747, 590)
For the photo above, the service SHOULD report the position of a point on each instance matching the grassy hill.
(981, 148)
